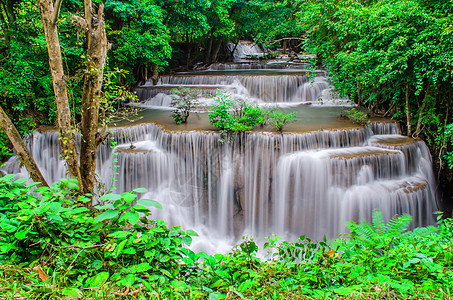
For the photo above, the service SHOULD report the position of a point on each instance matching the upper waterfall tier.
(264, 82)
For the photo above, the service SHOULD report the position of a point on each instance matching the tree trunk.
(284, 47)
(408, 113)
(96, 56)
(155, 76)
(208, 55)
(419, 122)
(49, 16)
(216, 50)
(22, 151)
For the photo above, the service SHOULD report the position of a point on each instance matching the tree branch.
(23, 153)
(56, 11)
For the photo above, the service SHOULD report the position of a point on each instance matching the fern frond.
(397, 226)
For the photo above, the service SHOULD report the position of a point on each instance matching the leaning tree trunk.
(49, 16)
(216, 50)
(420, 115)
(408, 112)
(96, 55)
(22, 151)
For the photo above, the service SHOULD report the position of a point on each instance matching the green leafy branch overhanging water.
(51, 246)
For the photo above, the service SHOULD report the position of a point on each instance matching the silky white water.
(262, 183)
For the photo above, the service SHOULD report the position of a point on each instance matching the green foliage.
(52, 247)
(279, 119)
(356, 116)
(80, 248)
(230, 115)
(377, 51)
(184, 101)
(449, 141)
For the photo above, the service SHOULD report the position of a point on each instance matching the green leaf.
(132, 217)
(119, 234)
(140, 190)
(191, 233)
(72, 292)
(99, 279)
(141, 208)
(55, 217)
(128, 197)
(20, 235)
(20, 180)
(129, 251)
(111, 197)
(148, 202)
(143, 267)
(187, 240)
(105, 206)
(8, 226)
(109, 214)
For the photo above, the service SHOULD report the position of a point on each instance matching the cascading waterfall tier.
(262, 183)
(273, 82)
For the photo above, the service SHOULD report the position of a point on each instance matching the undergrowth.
(52, 247)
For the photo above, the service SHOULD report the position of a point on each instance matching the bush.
(231, 115)
(184, 101)
(356, 116)
(279, 119)
(51, 247)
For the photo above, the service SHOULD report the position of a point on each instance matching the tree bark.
(155, 76)
(22, 150)
(208, 55)
(419, 122)
(92, 93)
(216, 50)
(408, 114)
(49, 15)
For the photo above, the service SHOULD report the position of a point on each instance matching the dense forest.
(394, 58)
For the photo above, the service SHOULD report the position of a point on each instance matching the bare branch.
(80, 21)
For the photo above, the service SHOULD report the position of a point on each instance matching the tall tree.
(97, 46)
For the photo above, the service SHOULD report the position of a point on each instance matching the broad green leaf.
(149, 203)
(107, 215)
(55, 217)
(8, 226)
(140, 190)
(128, 197)
(99, 279)
(132, 217)
(191, 233)
(141, 208)
(105, 206)
(20, 180)
(143, 267)
(20, 235)
(187, 240)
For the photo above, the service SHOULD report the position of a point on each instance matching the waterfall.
(262, 183)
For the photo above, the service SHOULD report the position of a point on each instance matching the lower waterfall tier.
(261, 184)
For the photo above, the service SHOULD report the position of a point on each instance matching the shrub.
(231, 115)
(356, 116)
(184, 101)
(279, 119)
